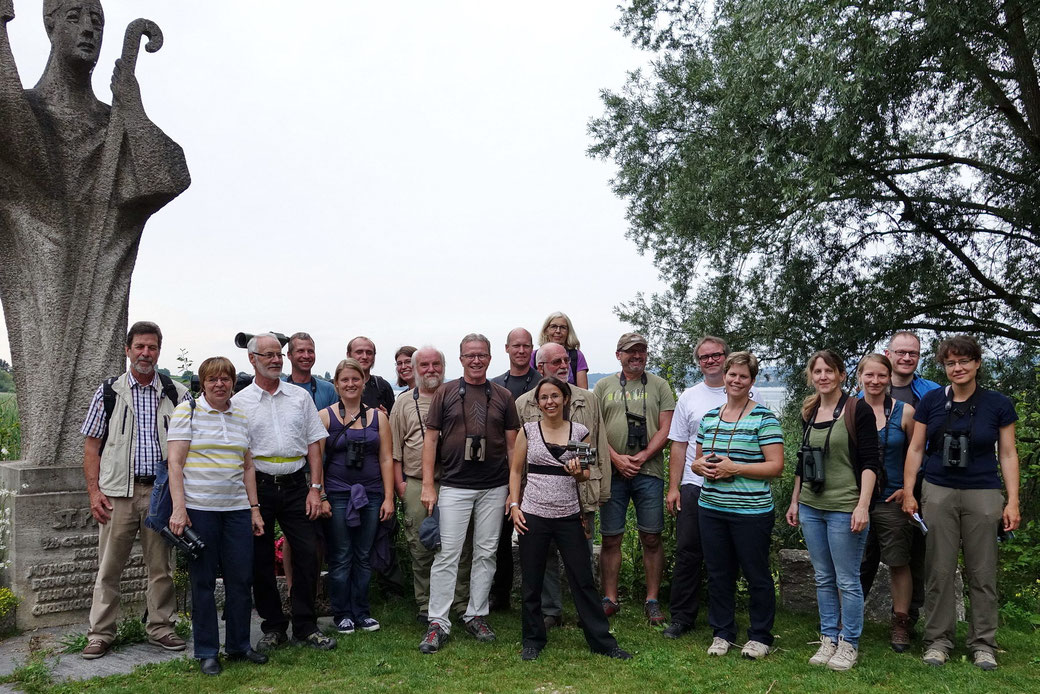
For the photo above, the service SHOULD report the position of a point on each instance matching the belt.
(294, 479)
(547, 470)
(144, 479)
(277, 459)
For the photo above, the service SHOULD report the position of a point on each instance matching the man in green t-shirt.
(637, 413)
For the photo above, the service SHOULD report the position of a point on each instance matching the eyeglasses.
(958, 362)
(904, 353)
(714, 356)
(402, 362)
(475, 356)
(559, 360)
(553, 327)
(269, 355)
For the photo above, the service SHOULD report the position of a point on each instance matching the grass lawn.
(389, 660)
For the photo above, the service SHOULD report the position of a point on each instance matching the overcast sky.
(411, 171)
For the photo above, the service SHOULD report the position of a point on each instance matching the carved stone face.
(77, 30)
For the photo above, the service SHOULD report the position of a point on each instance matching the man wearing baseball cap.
(637, 412)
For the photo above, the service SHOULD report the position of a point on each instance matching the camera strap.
(462, 400)
(418, 413)
(624, 395)
(830, 427)
(888, 418)
(733, 430)
(951, 410)
(527, 381)
(343, 430)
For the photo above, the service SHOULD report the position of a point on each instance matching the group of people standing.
(534, 452)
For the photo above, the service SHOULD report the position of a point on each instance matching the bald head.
(519, 346)
(554, 361)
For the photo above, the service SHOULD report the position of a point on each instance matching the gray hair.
(299, 336)
(475, 337)
(251, 345)
(415, 361)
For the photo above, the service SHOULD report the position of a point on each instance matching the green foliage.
(73, 643)
(129, 631)
(6, 382)
(817, 173)
(10, 429)
(35, 675)
(8, 601)
(182, 627)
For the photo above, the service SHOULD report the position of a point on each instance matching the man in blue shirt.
(301, 356)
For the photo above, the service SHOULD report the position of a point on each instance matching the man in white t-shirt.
(684, 485)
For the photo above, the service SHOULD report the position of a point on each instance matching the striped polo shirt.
(742, 441)
(214, 466)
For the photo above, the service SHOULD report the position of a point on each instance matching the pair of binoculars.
(637, 438)
(811, 458)
(188, 542)
(584, 452)
(956, 452)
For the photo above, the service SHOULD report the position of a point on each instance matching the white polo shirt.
(692, 405)
(281, 426)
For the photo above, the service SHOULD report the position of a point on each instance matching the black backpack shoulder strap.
(108, 401)
(573, 354)
(850, 421)
(169, 389)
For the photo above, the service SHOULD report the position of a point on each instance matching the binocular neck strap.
(624, 396)
(834, 419)
(951, 410)
(462, 402)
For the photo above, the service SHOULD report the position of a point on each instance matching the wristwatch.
(315, 485)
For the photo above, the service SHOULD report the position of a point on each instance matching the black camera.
(637, 438)
(475, 451)
(714, 460)
(355, 454)
(811, 458)
(956, 453)
(584, 452)
(188, 542)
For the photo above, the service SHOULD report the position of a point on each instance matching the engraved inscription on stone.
(63, 579)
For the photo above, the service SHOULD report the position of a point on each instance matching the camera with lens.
(188, 542)
(956, 453)
(637, 438)
(584, 452)
(355, 454)
(811, 458)
(476, 451)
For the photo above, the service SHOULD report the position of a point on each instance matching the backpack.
(108, 398)
(881, 480)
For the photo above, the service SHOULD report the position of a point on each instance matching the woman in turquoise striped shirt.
(740, 447)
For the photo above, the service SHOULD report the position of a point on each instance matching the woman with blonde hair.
(558, 328)
(888, 523)
(833, 488)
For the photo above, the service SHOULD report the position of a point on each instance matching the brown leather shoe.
(900, 637)
(94, 650)
(169, 642)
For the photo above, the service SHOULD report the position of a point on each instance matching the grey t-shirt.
(904, 394)
(518, 385)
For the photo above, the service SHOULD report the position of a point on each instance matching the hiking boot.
(825, 652)
(94, 650)
(480, 629)
(719, 646)
(318, 641)
(169, 642)
(844, 657)
(271, 640)
(935, 657)
(368, 624)
(529, 653)
(753, 650)
(345, 625)
(652, 610)
(675, 630)
(900, 635)
(618, 653)
(434, 639)
(610, 608)
(984, 660)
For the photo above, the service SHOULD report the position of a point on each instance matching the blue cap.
(430, 531)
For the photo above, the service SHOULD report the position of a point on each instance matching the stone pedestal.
(51, 545)
(798, 588)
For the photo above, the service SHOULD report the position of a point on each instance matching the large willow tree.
(821, 172)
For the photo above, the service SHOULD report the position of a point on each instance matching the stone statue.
(78, 182)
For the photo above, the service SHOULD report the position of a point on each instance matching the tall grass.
(10, 431)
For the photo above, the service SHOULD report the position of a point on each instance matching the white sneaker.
(825, 652)
(844, 657)
(719, 646)
(754, 650)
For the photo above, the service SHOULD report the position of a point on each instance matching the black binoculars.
(188, 542)
(475, 450)
(637, 438)
(355, 454)
(956, 453)
(584, 452)
(811, 458)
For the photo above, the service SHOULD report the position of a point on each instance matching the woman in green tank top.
(833, 486)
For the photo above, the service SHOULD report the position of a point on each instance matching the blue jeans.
(348, 555)
(228, 536)
(836, 553)
(646, 492)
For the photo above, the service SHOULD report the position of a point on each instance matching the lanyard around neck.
(624, 396)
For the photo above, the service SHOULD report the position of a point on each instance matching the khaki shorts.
(895, 532)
